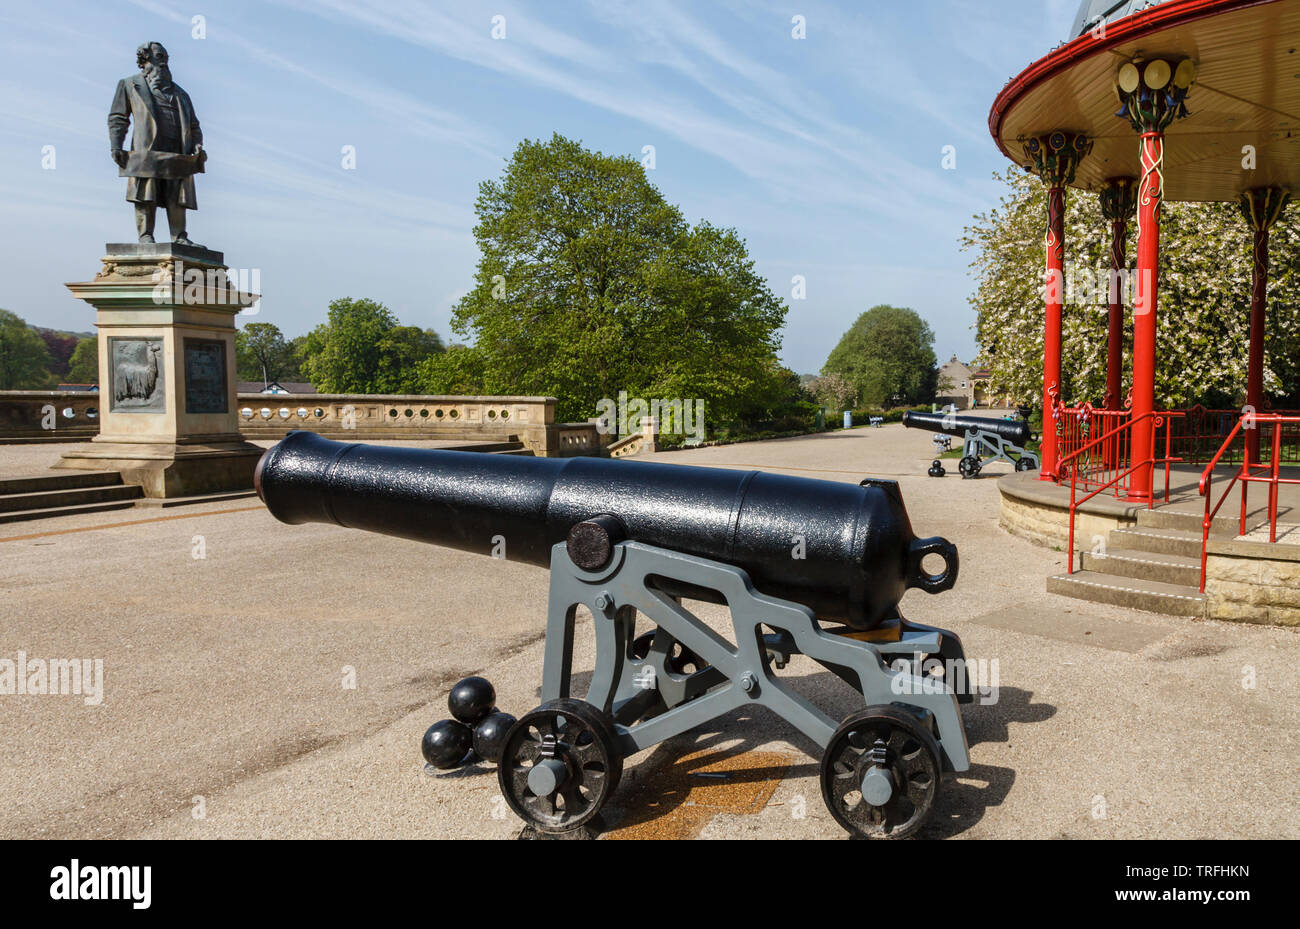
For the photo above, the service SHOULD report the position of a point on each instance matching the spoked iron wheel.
(881, 773)
(969, 466)
(559, 765)
(1024, 464)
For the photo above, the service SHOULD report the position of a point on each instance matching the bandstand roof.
(1247, 92)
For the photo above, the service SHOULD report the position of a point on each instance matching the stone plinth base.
(1253, 581)
(1039, 511)
(171, 470)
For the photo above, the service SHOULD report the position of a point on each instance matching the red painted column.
(1255, 362)
(1150, 189)
(1152, 94)
(1115, 317)
(1261, 206)
(1054, 291)
(1118, 200)
(1054, 157)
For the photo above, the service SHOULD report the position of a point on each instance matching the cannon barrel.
(1015, 431)
(846, 551)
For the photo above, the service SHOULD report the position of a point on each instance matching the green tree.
(24, 359)
(887, 356)
(590, 282)
(261, 353)
(84, 363)
(1203, 320)
(363, 349)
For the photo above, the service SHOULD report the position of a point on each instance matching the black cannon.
(632, 538)
(999, 438)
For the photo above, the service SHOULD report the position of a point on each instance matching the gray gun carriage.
(634, 539)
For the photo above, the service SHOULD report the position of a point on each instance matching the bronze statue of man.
(166, 146)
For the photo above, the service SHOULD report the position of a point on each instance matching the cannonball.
(471, 700)
(490, 736)
(446, 743)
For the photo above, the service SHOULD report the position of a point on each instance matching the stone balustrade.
(48, 415)
(29, 415)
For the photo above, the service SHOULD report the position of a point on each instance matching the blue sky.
(825, 153)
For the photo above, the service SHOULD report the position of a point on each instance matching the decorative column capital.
(1119, 198)
(1152, 91)
(1055, 156)
(1261, 206)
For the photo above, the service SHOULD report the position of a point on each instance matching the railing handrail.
(1243, 474)
(1118, 429)
(1150, 461)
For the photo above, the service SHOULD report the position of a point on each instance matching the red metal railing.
(1194, 436)
(1202, 432)
(1276, 425)
(1105, 461)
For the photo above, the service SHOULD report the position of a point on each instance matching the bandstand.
(1182, 100)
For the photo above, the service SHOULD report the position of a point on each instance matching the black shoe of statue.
(184, 240)
(146, 239)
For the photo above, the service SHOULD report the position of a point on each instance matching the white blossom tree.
(1203, 321)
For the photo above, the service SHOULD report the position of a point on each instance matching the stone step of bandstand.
(1160, 541)
(1134, 593)
(1222, 526)
(1147, 566)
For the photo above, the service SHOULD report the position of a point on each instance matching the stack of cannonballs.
(477, 729)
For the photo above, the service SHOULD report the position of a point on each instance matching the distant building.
(956, 385)
(275, 387)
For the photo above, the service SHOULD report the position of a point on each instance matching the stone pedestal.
(168, 415)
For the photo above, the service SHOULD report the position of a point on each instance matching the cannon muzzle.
(846, 551)
(1015, 431)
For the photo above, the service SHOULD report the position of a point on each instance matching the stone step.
(45, 499)
(17, 516)
(1161, 541)
(1134, 593)
(1222, 527)
(64, 480)
(1149, 566)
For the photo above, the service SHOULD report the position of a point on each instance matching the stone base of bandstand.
(193, 466)
(1039, 511)
(1247, 578)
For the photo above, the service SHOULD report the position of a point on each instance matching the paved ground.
(224, 712)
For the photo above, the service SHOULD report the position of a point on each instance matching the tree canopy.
(589, 283)
(25, 362)
(83, 366)
(1203, 308)
(886, 357)
(262, 354)
(362, 348)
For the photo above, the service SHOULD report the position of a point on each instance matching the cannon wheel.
(969, 466)
(559, 765)
(1024, 464)
(880, 773)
